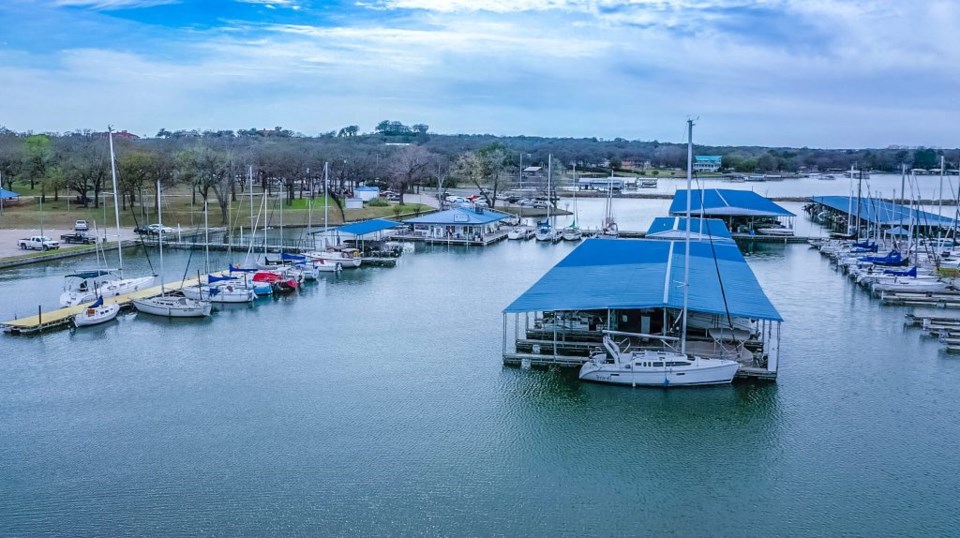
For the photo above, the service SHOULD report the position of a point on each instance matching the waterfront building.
(707, 163)
(744, 212)
(635, 286)
(464, 225)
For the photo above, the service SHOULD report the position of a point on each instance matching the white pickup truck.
(38, 242)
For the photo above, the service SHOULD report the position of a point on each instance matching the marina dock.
(63, 317)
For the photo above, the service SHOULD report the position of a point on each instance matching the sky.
(799, 73)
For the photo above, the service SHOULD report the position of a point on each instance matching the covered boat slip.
(635, 286)
(895, 219)
(743, 212)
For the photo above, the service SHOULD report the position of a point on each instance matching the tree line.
(215, 164)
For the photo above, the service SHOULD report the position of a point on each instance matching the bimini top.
(368, 226)
(726, 203)
(882, 213)
(459, 216)
(676, 228)
(643, 273)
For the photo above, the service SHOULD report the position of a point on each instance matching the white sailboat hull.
(97, 315)
(701, 372)
(126, 285)
(334, 258)
(223, 294)
(173, 307)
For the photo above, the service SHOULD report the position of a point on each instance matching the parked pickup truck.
(80, 238)
(38, 242)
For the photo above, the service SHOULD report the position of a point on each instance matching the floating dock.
(63, 317)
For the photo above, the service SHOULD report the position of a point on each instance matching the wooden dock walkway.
(63, 317)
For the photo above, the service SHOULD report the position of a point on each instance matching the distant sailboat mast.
(116, 203)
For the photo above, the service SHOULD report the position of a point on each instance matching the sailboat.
(96, 313)
(664, 368)
(609, 229)
(116, 284)
(545, 230)
(331, 259)
(168, 305)
(572, 232)
(225, 290)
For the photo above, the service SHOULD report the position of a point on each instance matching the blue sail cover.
(293, 257)
(726, 203)
(640, 273)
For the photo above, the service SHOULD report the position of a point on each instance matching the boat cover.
(645, 273)
(726, 203)
(881, 212)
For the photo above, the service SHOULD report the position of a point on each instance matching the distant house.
(126, 135)
(707, 163)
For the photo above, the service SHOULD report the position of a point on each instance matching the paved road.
(8, 238)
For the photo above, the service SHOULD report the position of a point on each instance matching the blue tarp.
(459, 216)
(676, 228)
(881, 212)
(368, 226)
(4, 193)
(726, 203)
(640, 273)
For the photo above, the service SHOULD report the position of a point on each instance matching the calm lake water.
(375, 403)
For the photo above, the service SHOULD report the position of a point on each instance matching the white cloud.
(273, 4)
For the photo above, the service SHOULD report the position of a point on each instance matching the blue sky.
(817, 73)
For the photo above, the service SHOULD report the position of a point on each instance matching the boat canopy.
(882, 213)
(643, 273)
(676, 228)
(460, 216)
(368, 226)
(726, 203)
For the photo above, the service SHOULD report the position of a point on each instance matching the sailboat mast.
(160, 237)
(686, 252)
(206, 241)
(549, 178)
(253, 230)
(326, 200)
(116, 204)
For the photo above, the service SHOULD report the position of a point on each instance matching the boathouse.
(707, 163)
(636, 286)
(840, 213)
(473, 225)
(744, 212)
(700, 229)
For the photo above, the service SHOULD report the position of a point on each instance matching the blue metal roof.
(4, 193)
(368, 226)
(459, 216)
(881, 212)
(639, 273)
(726, 203)
(676, 228)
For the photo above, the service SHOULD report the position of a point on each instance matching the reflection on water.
(374, 402)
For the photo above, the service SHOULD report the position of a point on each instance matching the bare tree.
(407, 166)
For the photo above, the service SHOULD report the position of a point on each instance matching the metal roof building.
(676, 228)
(368, 226)
(604, 274)
(726, 203)
(882, 213)
(460, 216)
